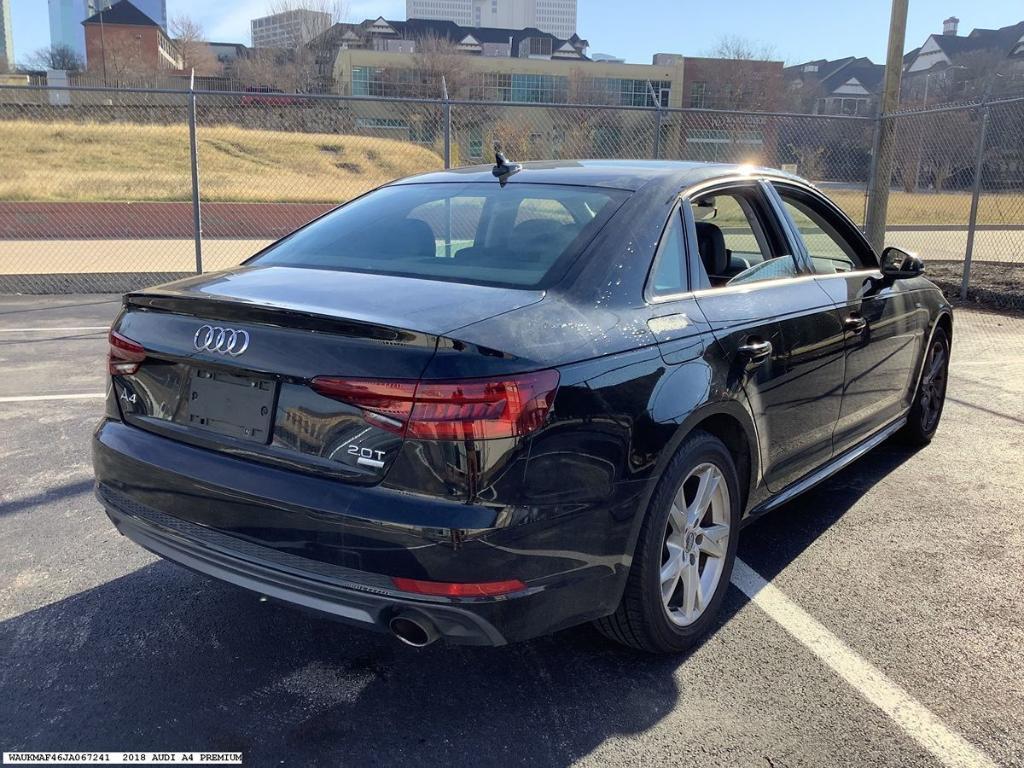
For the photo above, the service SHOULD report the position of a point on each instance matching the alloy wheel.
(695, 545)
(933, 386)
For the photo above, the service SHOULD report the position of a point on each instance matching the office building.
(289, 29)
(66, 17)
(6, 36)
(555, 16)
(155, 9)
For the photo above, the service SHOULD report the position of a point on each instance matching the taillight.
(124, 355)
(473, 409)
(450, 589)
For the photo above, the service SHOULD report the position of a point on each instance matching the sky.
(795, 30)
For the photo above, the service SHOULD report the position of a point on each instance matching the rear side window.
(669, 274)
(519, 235)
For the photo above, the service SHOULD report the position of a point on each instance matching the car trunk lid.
(229, 359)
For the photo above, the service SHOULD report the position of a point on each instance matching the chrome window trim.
(738, 288)
(756, 178)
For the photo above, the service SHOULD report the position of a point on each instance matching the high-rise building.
(155, 9)
(289, 28)
(6, 36)
(66, 17)
(555, 16)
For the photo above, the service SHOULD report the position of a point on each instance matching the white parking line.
(41, 330)
(30, 398)
(910, 715)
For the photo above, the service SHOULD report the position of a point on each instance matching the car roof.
(618, 174)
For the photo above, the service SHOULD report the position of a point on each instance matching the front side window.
(519, 235)
(733, 243)
(827, 238)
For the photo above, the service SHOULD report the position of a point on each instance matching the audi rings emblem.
(223, 341)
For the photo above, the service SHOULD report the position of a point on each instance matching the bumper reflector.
(448, 589)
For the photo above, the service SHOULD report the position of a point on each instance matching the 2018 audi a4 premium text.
(490, 403)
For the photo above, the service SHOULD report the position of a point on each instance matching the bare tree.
(196, 53)
(436, 58)
(308, 44)
(745, 82)
(58, 56)
(741, 49)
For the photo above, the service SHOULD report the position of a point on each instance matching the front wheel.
(684, 554)
(926, 410)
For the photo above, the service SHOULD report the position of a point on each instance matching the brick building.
(122, 42)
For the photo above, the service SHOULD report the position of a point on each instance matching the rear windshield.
(519, 235)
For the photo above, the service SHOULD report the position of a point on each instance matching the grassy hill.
(103, 162)
(93, 162)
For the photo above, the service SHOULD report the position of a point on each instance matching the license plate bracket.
(236, 406)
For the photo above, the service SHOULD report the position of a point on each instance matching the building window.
(476, 142)
(539, 89)
(627, 92)
(698, 95)
(535, 46)
(717, 145)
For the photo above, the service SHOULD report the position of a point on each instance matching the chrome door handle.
(756, 351)
(855, 324)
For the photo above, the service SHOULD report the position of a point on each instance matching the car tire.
(926, 410)
(654, 615)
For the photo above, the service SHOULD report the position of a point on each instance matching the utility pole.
(878, 196)
(103, 48)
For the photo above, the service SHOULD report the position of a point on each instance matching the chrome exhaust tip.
(413, 629)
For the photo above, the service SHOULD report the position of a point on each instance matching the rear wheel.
(923, 419)
(685, 552)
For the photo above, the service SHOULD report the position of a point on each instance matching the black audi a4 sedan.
(491, 403)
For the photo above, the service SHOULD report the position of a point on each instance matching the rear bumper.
(342, 595)
(241, 522)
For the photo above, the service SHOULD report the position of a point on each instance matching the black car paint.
(561, 509)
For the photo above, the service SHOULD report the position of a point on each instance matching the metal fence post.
(876, 139)
(657, 119)
(197, 219)
(446, 117)
(972, 223)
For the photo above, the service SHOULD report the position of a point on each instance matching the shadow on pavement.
(50, 495)
(162, 659)
(777, 539)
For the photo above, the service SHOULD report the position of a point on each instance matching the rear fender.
(732, 409)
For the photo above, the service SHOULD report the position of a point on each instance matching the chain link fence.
(958, 197)
(97, 192)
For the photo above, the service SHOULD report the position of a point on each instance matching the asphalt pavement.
(880, 619)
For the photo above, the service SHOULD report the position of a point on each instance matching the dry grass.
(932, 208)
(46, 161)
(94, 162)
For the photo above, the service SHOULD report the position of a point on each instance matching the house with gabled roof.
(954, 67)
(847, 86)
(382, 34)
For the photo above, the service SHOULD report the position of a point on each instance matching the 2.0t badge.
(223, 341)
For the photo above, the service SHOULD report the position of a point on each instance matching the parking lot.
(890, 632)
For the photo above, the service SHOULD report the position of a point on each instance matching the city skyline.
(857, 29)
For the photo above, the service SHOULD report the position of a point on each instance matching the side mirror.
(900, 265)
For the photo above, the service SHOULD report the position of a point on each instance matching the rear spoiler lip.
(233, 310)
